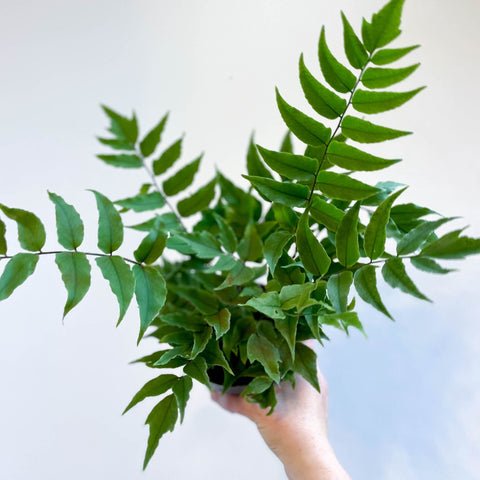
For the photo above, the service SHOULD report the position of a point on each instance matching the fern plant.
(262, 270)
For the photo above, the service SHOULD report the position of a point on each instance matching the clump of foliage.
(265, 269)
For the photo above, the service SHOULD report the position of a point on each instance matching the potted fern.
(231, 281)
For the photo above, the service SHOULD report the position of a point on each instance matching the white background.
(404, 403)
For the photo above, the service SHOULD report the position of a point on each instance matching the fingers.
(237, 404)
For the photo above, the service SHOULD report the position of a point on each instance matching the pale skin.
(297, 431)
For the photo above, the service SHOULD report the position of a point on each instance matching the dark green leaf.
(342, 187)
(338, 76)
(255, 165)
(200, 341)
(122, 160)
(167, 158)
(342, 321)
(121, 126)
(287, 146)
(31, 232)
(150, 292)
(69, 223)
(256, 386)
(407, 214)
(376, 231)
(250, 246)
(346, 238)
(295, 167)
(395, 275)
(203, 244)
(326, 213)
(214, 356)
(151, 247)
(110, 226)
(386, 188)
(384, 77)
(375, 102)
(181, 389)
(75, 270)
(384, 26)
(354, 49)
(365, 280)
(417, 236)
(268, 303)
(262, 350)
(3, 241)
(390, 55)
(288, 329)
(323, 101)
(367, 132)
(312, 254)
(197, 369)
(297, 296)
(338, 287)
(306, 364)
(429, 265)
(182, 179)
(452, 246)
(302, 126)
(199, 201)
(204, 301)
(274, 246)
(120, 278)
(162, 419)
(153, 388)
(152, 139)
(117, 143)
(351, 158)
(290, 194)
(227, 235)
(143, 202)
(17, 270)
(220, 322)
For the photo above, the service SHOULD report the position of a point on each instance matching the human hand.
(297, 430)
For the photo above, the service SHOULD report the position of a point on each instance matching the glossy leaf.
(262, 350)
(181, 389)
(31, 232)
(152, 388)
(302, 126)
(167, 158)
(385, 77)
(395, 275)
(151, 247)
(287, 146)
(3, 241)
(182, 179)
(323, 101)
(197, 202)
(295, 167)
(351, 158)
(326, 213)
(429, 265)
(150, 292)
(122, 160)
(346, 238)
(312, 254)
(17, 270)
(367, 132)
(452, 246)
(110, 226)
(290, 194)
(384, 26)
(274, 246)
(376, 102)
(365, 281)
(390, 55)
(143, 202)
(342, 187)
(152, 138)
(376, 231)
(75, 270)
(220, 322)
(161, 420)
(338, 288)
(255, 166)
(121, 281)
(297, 296)
(414, 239)
(200, 341)
(354, 49)
(306, 364)
(338, 76)
(268, 303)
(69, 224)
